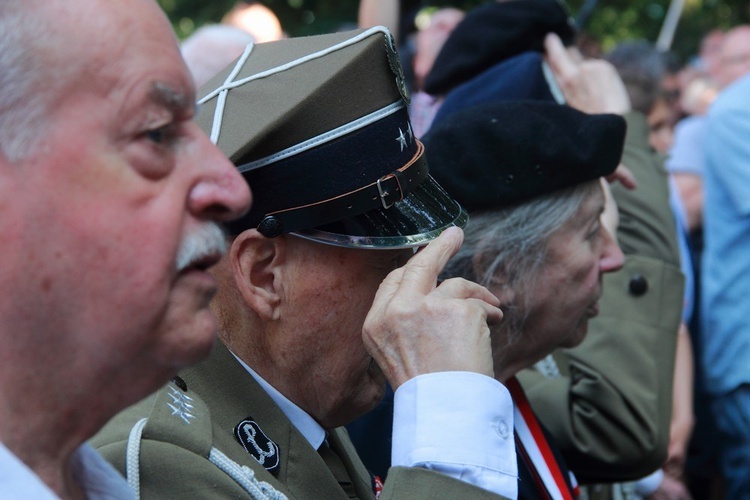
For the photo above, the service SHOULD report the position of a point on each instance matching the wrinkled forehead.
(122, 43)
(90, 31)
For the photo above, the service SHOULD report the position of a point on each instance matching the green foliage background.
(611, 21)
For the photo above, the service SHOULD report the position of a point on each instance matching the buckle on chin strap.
(384, 192)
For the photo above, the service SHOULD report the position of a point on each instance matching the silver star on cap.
(181, 406)
(401, 138)
(411, 133)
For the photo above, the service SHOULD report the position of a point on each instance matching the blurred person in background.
(256, 19)
(210, 48)
(726, 262)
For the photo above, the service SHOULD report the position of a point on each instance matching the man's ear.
(257, 263)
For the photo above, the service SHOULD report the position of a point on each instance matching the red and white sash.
(532, 444)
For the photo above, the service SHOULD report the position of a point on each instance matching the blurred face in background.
(660, 124)
(430, 40)
(735, 56)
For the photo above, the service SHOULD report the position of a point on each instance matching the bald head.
(735, 55)
(46, 44)
(211, 48)
(256, 19)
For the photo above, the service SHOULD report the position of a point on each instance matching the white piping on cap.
(326, 136)
(221, 103)
(229, 84)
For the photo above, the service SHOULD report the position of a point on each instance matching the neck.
(511, 358)
(45, 417)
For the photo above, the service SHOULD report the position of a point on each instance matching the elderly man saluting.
(309, 335)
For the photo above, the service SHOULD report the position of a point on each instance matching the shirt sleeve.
(459, 424)
(18, 481)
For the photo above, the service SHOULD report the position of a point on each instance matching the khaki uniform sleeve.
(414, 482)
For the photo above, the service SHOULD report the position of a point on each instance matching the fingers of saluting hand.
(457, 288)
(420, 274)
(416, 327)
(418, 277)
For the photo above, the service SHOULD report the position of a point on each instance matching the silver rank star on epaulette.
(182, 406)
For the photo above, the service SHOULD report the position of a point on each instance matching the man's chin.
(191, 343)
(578, 337)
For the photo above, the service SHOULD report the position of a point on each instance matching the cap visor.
(414, 221)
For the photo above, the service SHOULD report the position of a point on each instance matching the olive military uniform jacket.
(610, 410)
(192, 420)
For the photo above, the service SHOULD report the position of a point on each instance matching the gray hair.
(24, 33)
(642, 69)
(506, 248)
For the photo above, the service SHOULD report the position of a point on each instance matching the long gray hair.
(506, 249)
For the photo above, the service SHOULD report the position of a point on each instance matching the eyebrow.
(177, 102)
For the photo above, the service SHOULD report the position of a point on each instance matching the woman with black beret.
(530, 174)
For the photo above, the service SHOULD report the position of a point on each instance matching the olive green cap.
(319, 128)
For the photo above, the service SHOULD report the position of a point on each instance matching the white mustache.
(208, 240)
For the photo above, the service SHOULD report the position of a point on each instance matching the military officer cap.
(319, 128)
(504, 153)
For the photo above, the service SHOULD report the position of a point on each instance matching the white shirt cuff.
(459, 424)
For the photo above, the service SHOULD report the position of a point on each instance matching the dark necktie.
(338, 469)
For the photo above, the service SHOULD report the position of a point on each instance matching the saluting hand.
(416, 326)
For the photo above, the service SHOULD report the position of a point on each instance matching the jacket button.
(638, 285)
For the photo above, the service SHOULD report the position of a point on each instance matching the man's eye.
(159, 135)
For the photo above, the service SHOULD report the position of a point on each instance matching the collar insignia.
(181, 404)
(249, 434)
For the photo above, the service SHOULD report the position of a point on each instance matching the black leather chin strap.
(382, 193)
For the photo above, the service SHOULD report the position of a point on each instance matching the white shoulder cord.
(243, 475)
(132, 457)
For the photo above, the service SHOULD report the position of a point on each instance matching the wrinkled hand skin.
(591, 85)
(416, 326)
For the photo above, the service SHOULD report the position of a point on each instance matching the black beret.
(504, 153)
(519, 78)
(494, 32)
